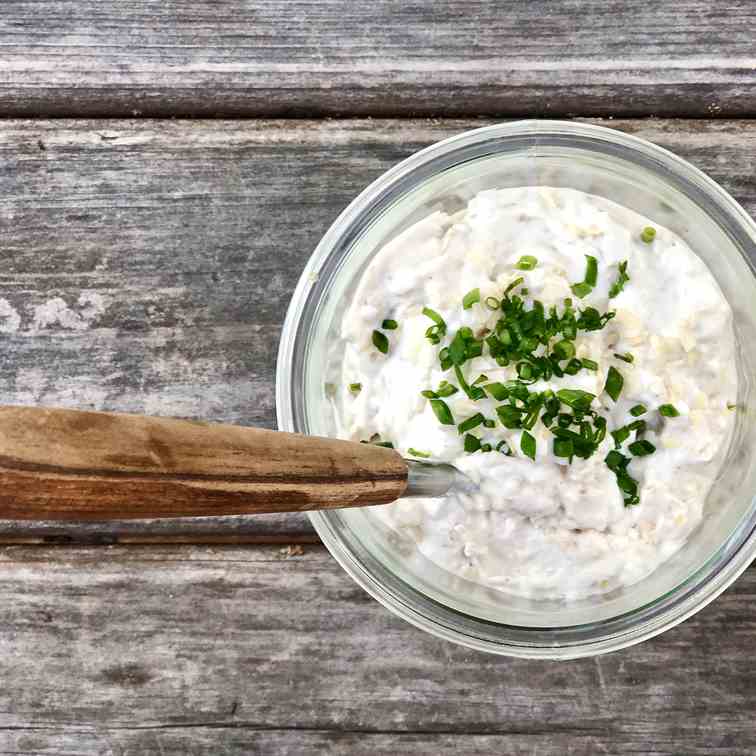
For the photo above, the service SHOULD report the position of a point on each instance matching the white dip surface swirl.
(546, 528)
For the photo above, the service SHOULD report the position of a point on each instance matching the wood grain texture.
(197, 650)
(69, 465)
(385, 58)
(147, 265)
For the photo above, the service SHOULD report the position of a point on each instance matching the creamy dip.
(547, 527)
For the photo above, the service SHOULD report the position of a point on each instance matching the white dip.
(546, 528)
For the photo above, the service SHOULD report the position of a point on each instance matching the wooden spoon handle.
(58, 464)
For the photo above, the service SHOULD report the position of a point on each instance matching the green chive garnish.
(564, 349)
(511, 417)
(627, 357)
(668, 410)
(480, 379)
(620, 436)
(472, 443)
(528, 445)
(489, 423)
(442, 411)
(527, 262)
(648, 234)
(576, 398)
(428, 394)
(589, 364)
(492, 303)
(380, 342)
(614, 383)
(437, 331)
(581, 290)
(417, 453)
(641, 448)
(471, 422)
(471, 298)
(498, 391)
(622, 279)
(389, 325)
(638, 410)
(355, 388)
(446, 389)
(563, 447)
(503, 447)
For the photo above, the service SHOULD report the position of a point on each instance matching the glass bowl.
(608, 163)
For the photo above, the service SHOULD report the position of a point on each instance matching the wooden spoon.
(59, 464)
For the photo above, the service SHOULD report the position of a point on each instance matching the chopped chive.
(614, 383)
(627, 357)
(524, 371)
(638, 410)
(589, 364)
(639, 426)
(581, 290)
(480, 379)
(417, 453)
(486, 447)
(528, 445)
(668, 410)
(471, 422)
(576, 398)
(563, 447)
(489, 423)
(641, 448)
(527, 262)
(355, 388)
(473, 392)
(446, 389)
(622, 279)
(510, 416)
(503, 447)
(428, 394)
(472, 443)
(513, 285)
(442, 411)
(492, 303)
(498, 391)
(620, 436)
(471, 298)
(437, 331)
(389, 325)
(648, 234)
(384, 444)
(524, 292)
(380, 342)
(731, 406)
(564, 349)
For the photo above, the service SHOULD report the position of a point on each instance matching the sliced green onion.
(437, 331)
(589, 364)
(498, 391)
(564, 349)
(389, 325)
(472, 443)
(563, 447)
(527, 262)
(417, 453)
(380, 342)
(355, 388)
(471, 298)
(503, 447)
(442, 411)
(614, 383)
(492, 303)
(638, 410)
(446, 389)
(581, 290)
(641, 448)
(573, 367)
(428, 394)
(511, 417)
(576, 398)
(480, 379)
(668, 410)
(489, 423)
(648, 234)
(471, 422)
(473, 392)
(528, 445)
(486, 447)
(622, 279)
(524, 371)
(513, 285)
(620, 436)
(627, 357)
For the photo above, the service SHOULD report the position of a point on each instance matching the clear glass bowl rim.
(421, 611)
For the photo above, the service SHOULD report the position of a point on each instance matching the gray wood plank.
(384, 58)
(147, 265)
(170, 650)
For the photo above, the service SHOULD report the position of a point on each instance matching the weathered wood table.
(166, 168)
